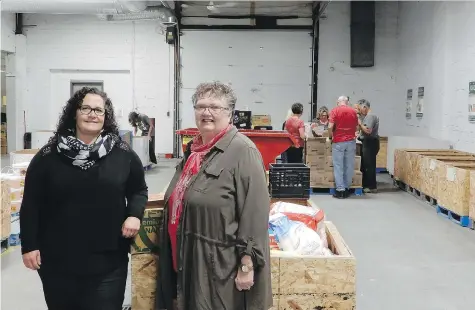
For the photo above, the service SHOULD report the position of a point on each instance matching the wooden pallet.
(463, 221)
(357, 191)
(415, 192)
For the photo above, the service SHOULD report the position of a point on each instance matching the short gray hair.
(215, 90)
(343, 98)
(364, 103)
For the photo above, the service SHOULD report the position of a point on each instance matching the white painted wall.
(8, 22)
(268, 70)
(376, 84)
(435, 52)
(131, 58)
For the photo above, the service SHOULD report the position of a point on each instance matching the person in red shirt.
(295, 126)
(342, 126)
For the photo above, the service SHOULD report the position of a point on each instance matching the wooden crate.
(144, 259)
(471, 211)
(382, 157)
(407, 163)
(430, 168)
(454, 186)
(315, 282)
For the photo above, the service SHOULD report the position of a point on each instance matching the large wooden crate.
(315, 282)
(407, 163)
(382, 157)
(471, 211)
(430, 167)
(454, 186)
(440, 174)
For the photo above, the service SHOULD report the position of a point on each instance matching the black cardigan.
(75, 217)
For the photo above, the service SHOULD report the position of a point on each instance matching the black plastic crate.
(289, 181)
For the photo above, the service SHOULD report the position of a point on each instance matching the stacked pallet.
(382, 157)
(444, 175)
(318, 156)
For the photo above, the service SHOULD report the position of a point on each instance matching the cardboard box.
(316, 162)
(328, 178)
(261, 120)
(147, 238)
(329, 162)
(315, 146)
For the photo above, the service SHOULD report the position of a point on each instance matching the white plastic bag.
(313, 218)
(295, 236)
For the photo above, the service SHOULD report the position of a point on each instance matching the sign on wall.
(77, 85)
(471, 102)
(420, 102)
(409, 104)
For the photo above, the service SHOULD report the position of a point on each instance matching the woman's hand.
(131, 227)
(32, 260)
(244, 281)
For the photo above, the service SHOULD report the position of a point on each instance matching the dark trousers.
(84, 292)
(369, 151)
(295, 155)
(151, 150)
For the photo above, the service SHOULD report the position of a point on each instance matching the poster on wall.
(420, 102)
(409, 104)
(471, 102)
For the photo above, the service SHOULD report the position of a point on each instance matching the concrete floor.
(408, 257)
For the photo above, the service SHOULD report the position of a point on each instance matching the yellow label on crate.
(147, 239)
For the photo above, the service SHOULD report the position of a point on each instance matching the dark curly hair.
(67, 120)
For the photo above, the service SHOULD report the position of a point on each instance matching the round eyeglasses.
(86, 110)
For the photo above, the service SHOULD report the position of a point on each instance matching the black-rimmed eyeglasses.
(86, 110)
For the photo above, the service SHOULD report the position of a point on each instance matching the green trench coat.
(225, 216)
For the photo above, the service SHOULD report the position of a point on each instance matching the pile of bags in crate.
(298, 229)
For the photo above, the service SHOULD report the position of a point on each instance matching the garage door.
(268, 70)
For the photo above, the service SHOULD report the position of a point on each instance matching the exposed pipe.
(151, 13)
(73, 6)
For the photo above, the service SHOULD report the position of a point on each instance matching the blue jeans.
(343, 155)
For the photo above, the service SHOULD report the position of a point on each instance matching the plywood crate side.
(144, 280)
(330, 281)
(454, 187)
(471, 211)
(382, 157)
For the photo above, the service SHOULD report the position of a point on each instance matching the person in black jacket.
(84, 199)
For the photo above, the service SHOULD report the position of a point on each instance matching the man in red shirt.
(342, 127)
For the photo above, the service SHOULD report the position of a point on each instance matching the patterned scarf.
(192, 167)
(83, 155)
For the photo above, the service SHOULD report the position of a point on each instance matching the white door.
(268, 70)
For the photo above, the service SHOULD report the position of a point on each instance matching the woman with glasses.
(84, 198)
(214, 248)
(320, 125)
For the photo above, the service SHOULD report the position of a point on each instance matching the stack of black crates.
(289, 181)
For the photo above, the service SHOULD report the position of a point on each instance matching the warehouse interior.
(412, 244)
